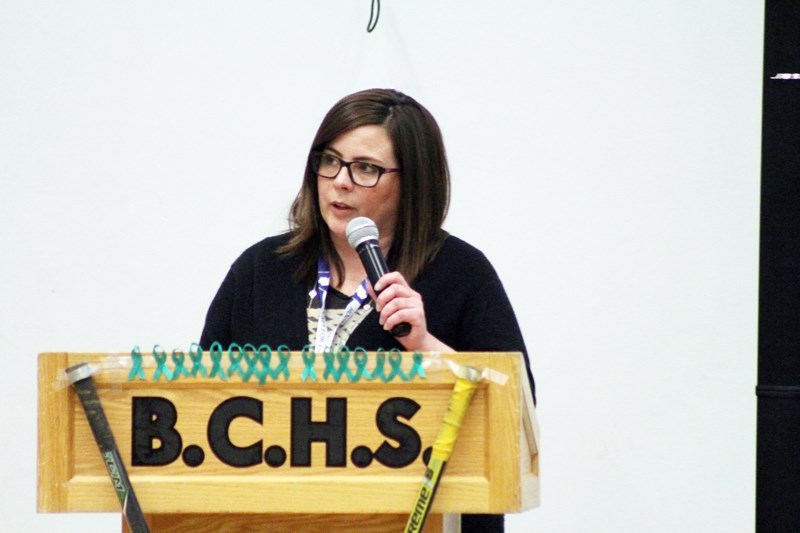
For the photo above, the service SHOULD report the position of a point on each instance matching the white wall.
(605, 156)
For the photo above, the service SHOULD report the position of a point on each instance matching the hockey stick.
(80, 377)
(466, 384)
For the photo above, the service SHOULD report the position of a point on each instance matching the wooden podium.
(294, 443)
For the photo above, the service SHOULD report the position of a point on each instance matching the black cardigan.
(466, 306)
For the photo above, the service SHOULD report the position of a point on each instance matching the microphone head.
(361, 229)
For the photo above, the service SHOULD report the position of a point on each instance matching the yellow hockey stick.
(466, 384)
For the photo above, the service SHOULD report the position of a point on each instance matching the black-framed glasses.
(363, 174)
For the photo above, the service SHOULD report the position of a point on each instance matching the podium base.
(293, 523)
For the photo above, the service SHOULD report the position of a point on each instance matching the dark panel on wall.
(778, 439)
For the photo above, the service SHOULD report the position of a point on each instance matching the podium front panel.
(308, 439)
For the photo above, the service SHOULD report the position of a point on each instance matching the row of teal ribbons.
(262, 363)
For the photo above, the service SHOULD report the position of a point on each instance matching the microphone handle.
(375, 265)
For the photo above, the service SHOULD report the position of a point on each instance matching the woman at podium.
(377, 154)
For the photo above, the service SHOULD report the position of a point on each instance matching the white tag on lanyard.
(325, 338)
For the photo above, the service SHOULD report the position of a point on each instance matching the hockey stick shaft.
(80, 376)
(463, 390)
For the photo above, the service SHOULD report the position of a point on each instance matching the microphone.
(362, 234)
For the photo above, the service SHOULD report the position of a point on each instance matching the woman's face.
(340, 200)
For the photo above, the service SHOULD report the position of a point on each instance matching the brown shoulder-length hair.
(424, 184)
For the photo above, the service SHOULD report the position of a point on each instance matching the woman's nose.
(342, 179)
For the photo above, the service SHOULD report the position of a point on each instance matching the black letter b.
(154, 418)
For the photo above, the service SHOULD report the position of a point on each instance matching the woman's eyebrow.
(367, 158)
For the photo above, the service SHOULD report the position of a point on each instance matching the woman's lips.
(341, 207)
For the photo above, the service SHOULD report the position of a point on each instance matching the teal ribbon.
(216, 359)
(136, 370)
(284, 355)
(177, 359)
(360, 357)
(417, 369)
(309, 356)
(258, 361)
(196, 355)
(161, 359)
(330, 366)
(395, 361)
(235, 356)
(380, 362)
(343, 357)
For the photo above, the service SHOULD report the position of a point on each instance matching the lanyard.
(325, 338)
